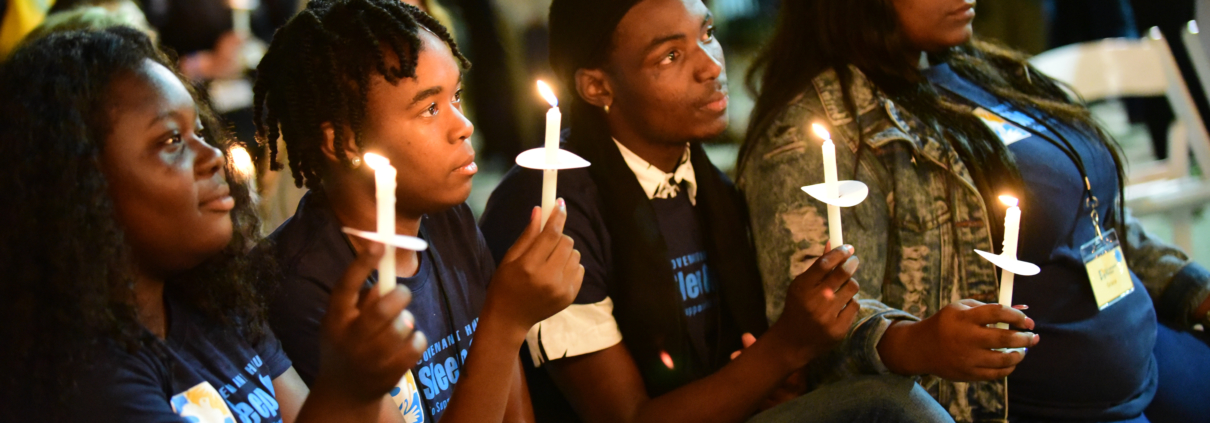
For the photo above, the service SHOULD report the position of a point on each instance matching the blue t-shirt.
(1090, 364)
(196, 374)
(448, 291)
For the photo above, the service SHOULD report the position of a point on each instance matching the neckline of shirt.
(659, 184)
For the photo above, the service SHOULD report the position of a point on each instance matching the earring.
(355, 162)
(606, 109)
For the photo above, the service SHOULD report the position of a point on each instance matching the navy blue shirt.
(687, 255)
(1090, 364)
(195, 374)
(448, 291)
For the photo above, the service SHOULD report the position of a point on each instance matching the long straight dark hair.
(866, 34)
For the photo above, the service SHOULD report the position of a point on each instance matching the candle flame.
(376, 162)
(821, 132)
(548, 94)
(667, 359)
(1008, 200)
(241, 161)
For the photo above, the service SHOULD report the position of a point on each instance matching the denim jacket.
(916, 232)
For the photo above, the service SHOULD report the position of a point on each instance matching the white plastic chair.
(1114, 68)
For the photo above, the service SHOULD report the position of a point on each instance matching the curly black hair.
(318, 70)
(67, 293)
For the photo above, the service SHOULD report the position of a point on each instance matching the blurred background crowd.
(219, 42)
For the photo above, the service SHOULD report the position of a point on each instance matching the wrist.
(328, 399)
(496, 321)
(896, 348)
(790, 355)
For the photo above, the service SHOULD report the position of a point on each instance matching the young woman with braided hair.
(129, 294)
(346, 77)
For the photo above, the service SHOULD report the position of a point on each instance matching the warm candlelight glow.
(1008, 200)
(547, 94)
(667, 359)
(242, 162)
(375, 161)
(821, 132)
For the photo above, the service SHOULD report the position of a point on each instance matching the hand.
(819, 306)
(366, 346)
(957, 343)
(539, 276)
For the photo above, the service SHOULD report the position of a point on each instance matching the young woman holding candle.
(939, 125)
(349, 77)
(671, 285)
(129, 294)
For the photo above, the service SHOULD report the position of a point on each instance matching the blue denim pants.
(875, 399)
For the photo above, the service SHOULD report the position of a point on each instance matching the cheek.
(163, 224)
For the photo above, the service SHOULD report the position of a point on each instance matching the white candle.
(831, 188)
(550, 177)
(384, 195)
(1012, 229)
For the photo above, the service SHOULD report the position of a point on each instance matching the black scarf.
(646, 302)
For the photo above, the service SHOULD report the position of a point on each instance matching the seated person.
(671, 282)
(938, 125)
(129, 295)
(347, 77)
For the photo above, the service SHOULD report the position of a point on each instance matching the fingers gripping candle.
(832, 188)
(550, 177)
(384, 191)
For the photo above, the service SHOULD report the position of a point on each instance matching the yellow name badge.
(1107, 270)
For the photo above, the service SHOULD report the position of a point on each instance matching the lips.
(219, 201)
(716, 103)
(467, 167)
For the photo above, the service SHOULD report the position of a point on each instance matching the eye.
(709, 35)
(458, 96)
(670, 57)
(431, 110)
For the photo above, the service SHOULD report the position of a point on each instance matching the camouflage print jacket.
(916, 232)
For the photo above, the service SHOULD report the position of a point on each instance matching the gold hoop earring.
(606, 109)
(355, 162)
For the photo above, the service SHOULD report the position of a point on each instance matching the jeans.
(889, 399)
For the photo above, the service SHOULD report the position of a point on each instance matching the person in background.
(938, 125)
(671, 289)
(348, 77)
(129, 294)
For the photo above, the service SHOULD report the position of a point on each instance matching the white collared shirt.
(655, 182)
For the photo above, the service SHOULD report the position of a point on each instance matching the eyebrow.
(673, 37)
(431, 91)
(165, 116)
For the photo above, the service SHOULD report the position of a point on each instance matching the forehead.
(149, 90)
(435, 62)
(651, 19)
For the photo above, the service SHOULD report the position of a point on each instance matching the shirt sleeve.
(270, 351)
(125, 389)
(295, 312)
(588, 324)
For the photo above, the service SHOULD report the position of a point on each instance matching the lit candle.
(831, 187)
(242, 162)
(384, 191)
(550, 177)
(1012, 229)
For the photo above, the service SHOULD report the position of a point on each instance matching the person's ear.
(349, 155)
(594, 87)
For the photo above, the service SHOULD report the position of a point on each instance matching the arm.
(539, 276)
(790, 231)
(520, 409)
(606, 386)
(1179, 288)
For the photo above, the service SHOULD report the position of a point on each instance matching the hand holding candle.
(1007, 259)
